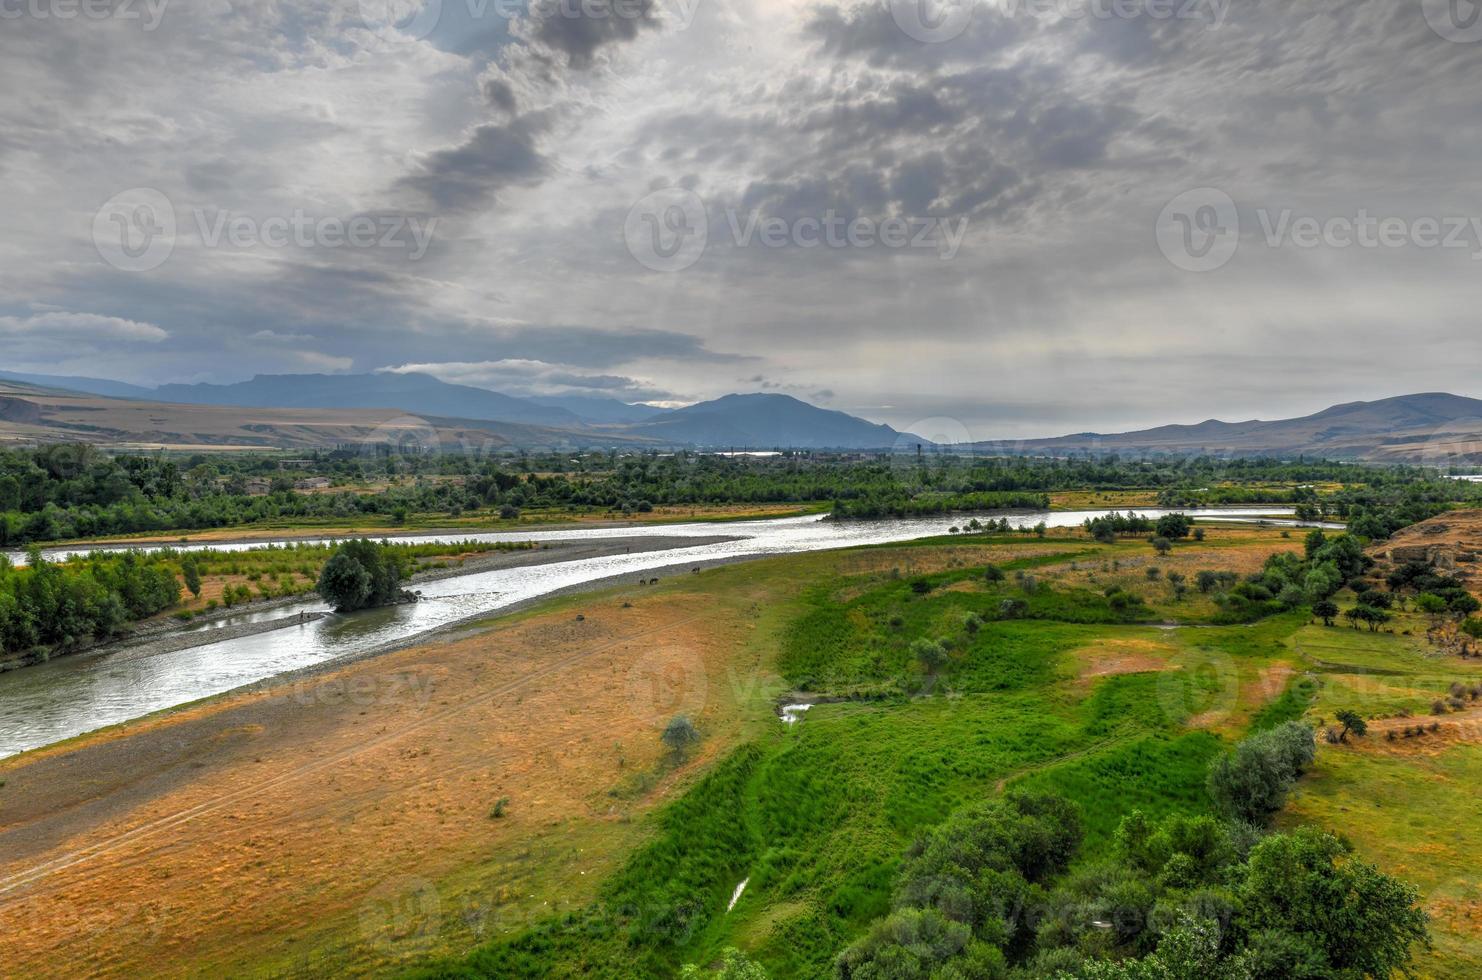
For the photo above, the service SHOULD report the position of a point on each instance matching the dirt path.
(330, 822)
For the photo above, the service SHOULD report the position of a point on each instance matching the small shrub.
(499, 807)
(680, 734)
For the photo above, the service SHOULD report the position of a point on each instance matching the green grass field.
(1117, 709)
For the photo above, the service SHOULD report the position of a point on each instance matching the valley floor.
(454, 796)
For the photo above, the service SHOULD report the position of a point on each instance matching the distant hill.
(91, 386)
(31, 414)
(765, 422)
(599, 411)
(1433, 427)
(418, 394)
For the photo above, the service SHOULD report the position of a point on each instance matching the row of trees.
(46, 604)
(77, 491)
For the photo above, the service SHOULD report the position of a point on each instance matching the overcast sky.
(1027, 216)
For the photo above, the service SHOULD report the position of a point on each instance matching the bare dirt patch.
(1456, 728)
(1124, 656)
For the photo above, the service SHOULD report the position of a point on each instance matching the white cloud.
(82, 326)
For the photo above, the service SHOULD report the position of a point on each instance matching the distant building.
(313, 483)
(258, 488)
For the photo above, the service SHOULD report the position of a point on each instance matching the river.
(71, 695)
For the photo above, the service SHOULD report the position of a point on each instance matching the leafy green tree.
(1352, 722)
(734, 966)
(1173, 526)
(1161, 545)
(1373, 617)
(359, 575)
(1310, 902)
(1326, 610)
(191, 573)
(908, 944)
(1432, 605)
(344, 583)
(1251, 783)
(931, 654)
(1191, 950)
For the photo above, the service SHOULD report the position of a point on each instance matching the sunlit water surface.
(71, 695)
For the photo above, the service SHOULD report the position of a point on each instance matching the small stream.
(68, 696)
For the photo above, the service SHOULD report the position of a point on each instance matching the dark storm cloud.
(578, 31)
(533, 138)
(555, 38)
(469, 176)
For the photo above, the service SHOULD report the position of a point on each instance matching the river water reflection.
(71, 695)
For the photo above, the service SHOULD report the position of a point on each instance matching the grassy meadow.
(1117, 707)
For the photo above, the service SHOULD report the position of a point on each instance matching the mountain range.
(750, 421)
(1434, 427)
(317, 410)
